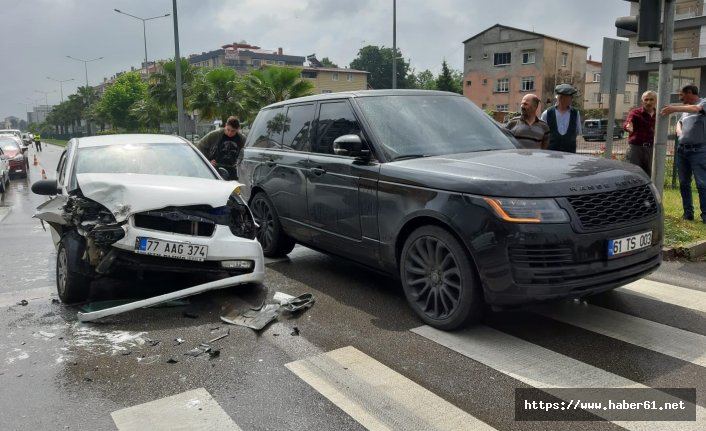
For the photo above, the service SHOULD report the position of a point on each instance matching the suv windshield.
(422, 125)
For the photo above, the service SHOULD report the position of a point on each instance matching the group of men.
(559, 125)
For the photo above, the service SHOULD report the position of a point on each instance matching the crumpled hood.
(126, 194)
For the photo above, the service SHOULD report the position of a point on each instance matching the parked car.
(425, 186)
(4, 171)
(597, 130)
(145, 202)
(18, 161)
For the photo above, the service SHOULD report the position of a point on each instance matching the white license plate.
(629, 243)
(176, 250)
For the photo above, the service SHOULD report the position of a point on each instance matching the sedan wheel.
(71, 285)
(274, 242)
(439, 279)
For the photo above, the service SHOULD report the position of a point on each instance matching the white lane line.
(378, 397)
(4, 211)
(661, 338)
(675, 295)
(193, 410)
(542, 368)
(12, 298)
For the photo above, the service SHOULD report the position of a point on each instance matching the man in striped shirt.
(528, 129)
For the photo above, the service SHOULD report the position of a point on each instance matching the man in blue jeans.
(691, 151)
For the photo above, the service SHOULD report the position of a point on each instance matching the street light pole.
(85, 62)
(177, 63)
(144, 32)
(46, 98)
(61, 87)
(394, 44)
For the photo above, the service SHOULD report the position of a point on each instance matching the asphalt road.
(358, 358)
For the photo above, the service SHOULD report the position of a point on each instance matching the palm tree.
(273, 84)
(215, 94)
(162, 87)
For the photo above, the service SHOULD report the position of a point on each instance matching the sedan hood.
(126, 194)
(515, 173)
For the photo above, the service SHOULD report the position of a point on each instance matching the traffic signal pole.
(664, 91)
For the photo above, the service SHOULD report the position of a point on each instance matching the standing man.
(563, 120)
(691, 151)
(37, 142)
(640, 125)
(222, 146)
(529, 130)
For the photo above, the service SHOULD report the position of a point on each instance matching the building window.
(468, 83)
(528, 56)
(627, 97)
(255, 62)
(268, 61)
(325, 91)
(597, 98)
(528, 83)
(596, 77)
(485, 105)
(501, 108)
(280, 63)
(485, 82)
(501, 59)
(334, 76)
(564, 59)
(349, 77)
(309, 74)
(502, 85)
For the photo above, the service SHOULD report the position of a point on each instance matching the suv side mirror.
(350, 145)
(46, 188)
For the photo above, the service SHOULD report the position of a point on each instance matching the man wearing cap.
(691, 152)
(563, 120)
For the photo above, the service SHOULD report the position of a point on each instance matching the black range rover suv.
(425, 186)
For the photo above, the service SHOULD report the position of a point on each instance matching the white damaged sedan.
(145, 202)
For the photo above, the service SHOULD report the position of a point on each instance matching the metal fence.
(620, 147)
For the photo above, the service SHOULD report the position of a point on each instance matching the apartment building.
(689, 56)
(502, 64)
(332, 80)
(242, 57)
(593, 99)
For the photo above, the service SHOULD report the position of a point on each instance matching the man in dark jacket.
(222, 146)
(563, 120)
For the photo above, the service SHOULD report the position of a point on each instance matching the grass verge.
(677, 231)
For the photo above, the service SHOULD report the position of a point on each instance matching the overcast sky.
(37, 35)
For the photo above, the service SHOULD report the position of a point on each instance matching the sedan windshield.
(153, 159)
(429, 125)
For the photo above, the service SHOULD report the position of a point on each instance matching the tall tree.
(328, 63)
(445, 81)
(215, 94)
(273, 84)
(378, 62)
(119, 98)
(162, 88)
(423, 80)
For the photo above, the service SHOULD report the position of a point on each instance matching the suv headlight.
(519, 210)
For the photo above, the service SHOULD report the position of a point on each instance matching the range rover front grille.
(607, 209)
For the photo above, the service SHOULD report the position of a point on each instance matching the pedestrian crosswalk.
(372, 391)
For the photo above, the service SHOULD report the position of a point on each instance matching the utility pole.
(664, 90)
(394, 44)
(177, 63)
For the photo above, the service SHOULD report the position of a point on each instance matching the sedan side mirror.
(223, 172)
(46, 188)
(350, 145)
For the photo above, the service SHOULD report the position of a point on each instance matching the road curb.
(689, 251)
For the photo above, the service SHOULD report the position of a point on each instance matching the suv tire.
(439, 279)
(274, 242)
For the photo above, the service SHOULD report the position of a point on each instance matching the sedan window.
(154, 159)
(431, 125)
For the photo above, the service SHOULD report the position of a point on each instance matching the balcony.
(654, 55)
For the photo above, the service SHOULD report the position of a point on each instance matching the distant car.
(15, 132)
(4, 171)
(145, 202)
(597, 130)
(425, 186)
(18, 161)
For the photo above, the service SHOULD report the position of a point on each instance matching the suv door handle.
(271, 163)
(318, 171)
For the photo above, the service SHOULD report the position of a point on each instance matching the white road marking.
(4, 211)
(542, 368)
(378, 397)
(675, 295)
(661, 338)
(192, 410)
